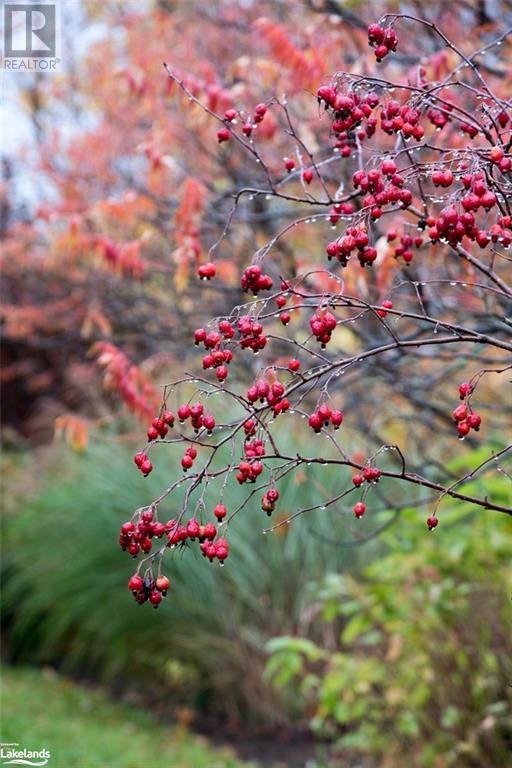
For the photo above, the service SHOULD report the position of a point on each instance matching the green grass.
(83, 729)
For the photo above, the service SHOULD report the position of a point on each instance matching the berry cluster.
(160, 425)
(198, 418)
(442, 178)
(179, 534)
(143, 463)
(187, 461)
(349, 111)
(135, 537)
(383, 39)
(323, 416)
(368, 475)
(251, 333)
(322, 325)
(453, 226)
(216, 357)
(215, 550)
(148, 588)
(254, 280)
(382, 192)
(406, 242)
(396, 118)
(250, 468)
(464, 418)
(338, 210)
(224, 134)
(273, 395)
(504, 162)
(355, 239)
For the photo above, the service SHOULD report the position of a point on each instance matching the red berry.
(465, 389)
(183, 412)
(136, 583)
(187, 461)
(289, 163)
(307, 175)
(381, 52)
(316, 422)
(127, 528)
(460, 413)
(432, 522)
(474, 421)
(155, 598)
(358, 480)
(158, 529)
(223, 134)
(389, 167)
(220, 512)
(209, 423)
(210, 531)
(359, 509)
(207, 271)
(336, 419)
(462, 428)
(193, 528)
(162, 583)
(496, 154)
(139, 458)
(293, 366)
(146, 544)
(375, 34)
(168, 418)
(133, 548)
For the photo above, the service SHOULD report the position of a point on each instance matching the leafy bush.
(419, 668)
(66, 601)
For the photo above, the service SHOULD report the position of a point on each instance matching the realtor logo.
(9, 755)
(30, 36)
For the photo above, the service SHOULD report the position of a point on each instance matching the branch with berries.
(414, 175)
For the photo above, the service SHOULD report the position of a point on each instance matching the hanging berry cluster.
(463, 415)
(384, 40)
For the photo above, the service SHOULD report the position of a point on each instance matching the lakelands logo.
(30, 37)
(11, 755)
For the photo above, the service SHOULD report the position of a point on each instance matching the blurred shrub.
(66, 602)
(419, 672)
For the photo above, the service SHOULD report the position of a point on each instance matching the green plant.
(420, 666)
